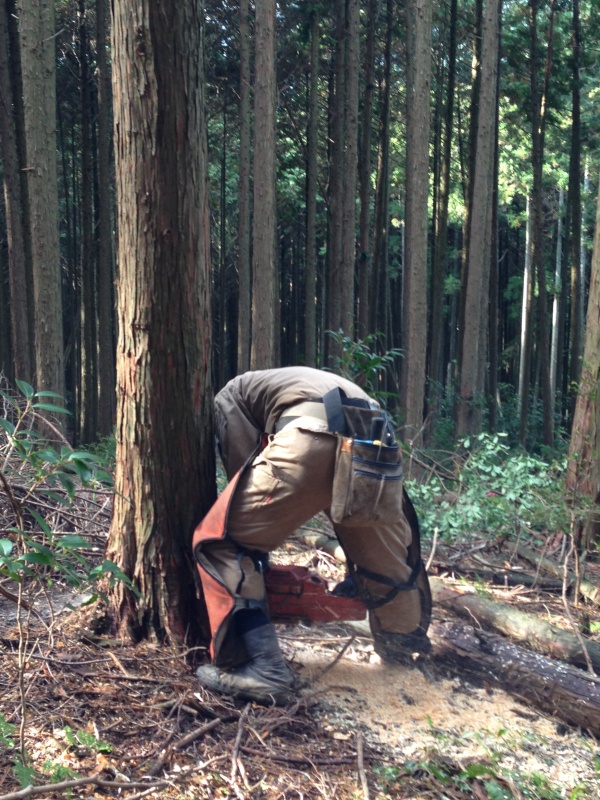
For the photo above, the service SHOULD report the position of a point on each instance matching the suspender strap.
(335, 413)
(395, 586)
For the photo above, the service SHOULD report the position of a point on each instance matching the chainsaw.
(295, 594)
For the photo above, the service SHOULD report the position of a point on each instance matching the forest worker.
(279, 453)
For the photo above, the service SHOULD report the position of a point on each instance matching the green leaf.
(6, 547)
(72, 542)
(26, 389)
(40, 521)
(49, 394)
(36, 558)
(51, 407)
(7, 425)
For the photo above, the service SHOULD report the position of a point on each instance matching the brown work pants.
(285, 486)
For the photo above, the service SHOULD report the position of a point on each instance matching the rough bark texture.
(479, 251)
(165, 460)
(244, 270)
(584, 450)
(418, 116)
(310, 318)
(18, 267)
(39, 93)
(106, 339)
(557, 689)
(264, 272)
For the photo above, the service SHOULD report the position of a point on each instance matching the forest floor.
(108, 719)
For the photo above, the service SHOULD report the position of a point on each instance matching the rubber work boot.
(266, 678)
(401, 648)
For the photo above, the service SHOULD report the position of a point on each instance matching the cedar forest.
(405, 193)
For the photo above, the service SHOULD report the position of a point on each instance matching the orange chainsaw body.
(295, 594)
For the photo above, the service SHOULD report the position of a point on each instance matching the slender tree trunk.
(19, 271)
(310, 317)
(88, 409)
(480, 238)
(379, 285)
(244, 259)
(164, 479)
(438, 272)
(539, 102)
(106, 338)
(365, 261)
(575, 227)
(526, 331)
(418, 117)
(264, 269)
(554, 357)
(38, 64)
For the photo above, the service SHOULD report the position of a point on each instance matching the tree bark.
(164, 479)
(19, 270)
(106, 337)
(557, 689)
(310, 317)
(264, 269)
(480, 238)
(38, 62)
(244, 215)
(583, 475)
(414, 311)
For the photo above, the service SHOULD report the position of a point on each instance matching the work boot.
(406, 649)
(265, 678)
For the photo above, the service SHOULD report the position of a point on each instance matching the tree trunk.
(365, 260)
(480, 238)
(414, 312)
(164, 480)
(583, 474)
(264, 269)
(88, 407)
(440, 252)
(244, 262)
(310, 317)
(554, 346)
(38, 64)
(106, 338)
(19, 270)
(575, 227)
(526, 331)
(539, 102)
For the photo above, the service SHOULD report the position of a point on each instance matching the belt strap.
(308, 408)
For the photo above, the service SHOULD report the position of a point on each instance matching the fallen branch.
(540, 636)
(586, 589)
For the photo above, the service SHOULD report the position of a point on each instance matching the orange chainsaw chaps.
(219, 600)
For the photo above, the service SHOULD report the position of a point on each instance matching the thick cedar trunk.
(38, 63)
(106, 339)
(474, 334)
(414, 310)
(244, 261)
(164, 477)
(264, 270)
(310, 317)
(584, 465)
(557, 689)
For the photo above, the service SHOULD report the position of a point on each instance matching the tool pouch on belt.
(367, 484)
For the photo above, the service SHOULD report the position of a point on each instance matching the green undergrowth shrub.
(492, 490)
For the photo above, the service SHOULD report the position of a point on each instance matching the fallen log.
(540, 636)
(559, 690)
(586, 589)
